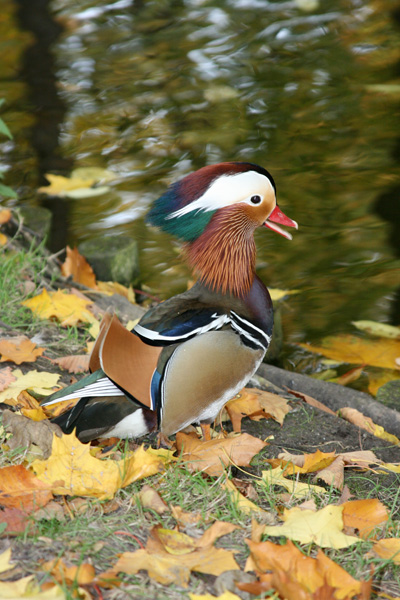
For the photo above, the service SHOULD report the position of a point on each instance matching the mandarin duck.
(189, 355)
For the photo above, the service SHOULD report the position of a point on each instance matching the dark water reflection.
(154, 90)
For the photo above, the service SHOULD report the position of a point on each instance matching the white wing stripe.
(102, 387)
(218, 321)
(248, 324)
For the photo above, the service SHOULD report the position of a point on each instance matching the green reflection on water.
(154, 90)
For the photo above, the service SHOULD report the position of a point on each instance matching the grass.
(90, 531)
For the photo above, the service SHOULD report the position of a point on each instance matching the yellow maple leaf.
(358, 418)
(297, 488)
(225, 596)
(322, 527)
(81, 474)
(67, 308)
(351, 349)
(41, 383)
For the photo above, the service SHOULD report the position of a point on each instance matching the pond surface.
(155, 89)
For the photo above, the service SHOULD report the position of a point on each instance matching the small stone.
(113, 258)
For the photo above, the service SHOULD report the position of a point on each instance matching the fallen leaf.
(3, 239)
(19, 349)
(333, 474)
(71, 469)
(378, 329)
(312, 401)
(5, 215)
(82, 574)
(167, 568)
(185, 518)
(277, 294)
(349, 376)
(351, 349)
(289, 564)
(295, 487)
(79, 185)
(28, 588)
(78, 268)
(378, 378)
(323, 527)
(389, 549)
(6, 378)
(256, 404)
(19, 488)
(364, 515)
(66, 308)
(41, 383)
(227, 595)
(74, 363)
(214, 455)
(150, 498)
(243, 504)
(113, 287)
(309, 463)
(26, 432)
(5, 564)
(16, 521)
(357, 418)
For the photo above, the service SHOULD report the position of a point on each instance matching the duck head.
(215, 211)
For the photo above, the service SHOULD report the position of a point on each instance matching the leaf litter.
(66, 468)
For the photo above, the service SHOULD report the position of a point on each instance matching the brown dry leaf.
(389, 549)
(333, 474)
(71, 469)
(76, 265)
(323, 527)
(214, 455)
(197, 555)
(359, 351)
(19, 488)
(6, 378)
(15, 519)
(75, 363)
(312, 401)
(27, 433)
(150, 498)
(357, 418)
(82, 574)
(66, 308)
(291, 569)
(5, 215)
(256, 404)
(364, 515)
(19, 349)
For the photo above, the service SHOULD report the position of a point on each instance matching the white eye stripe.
(227, 190)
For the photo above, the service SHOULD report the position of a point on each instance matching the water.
(155, 89)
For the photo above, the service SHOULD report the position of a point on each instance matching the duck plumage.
(192, 353)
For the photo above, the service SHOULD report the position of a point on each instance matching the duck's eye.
(255, 199)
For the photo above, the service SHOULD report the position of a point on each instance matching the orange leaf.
(5, 215)
(256, 404)
(15, 519)
(82, 574)
(19, 349)
(312, 401)
(213, 455)
(389, 549)
(364, 515)
(19, 488)
(78, 267)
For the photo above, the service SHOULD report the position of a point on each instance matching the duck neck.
(224, 255)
